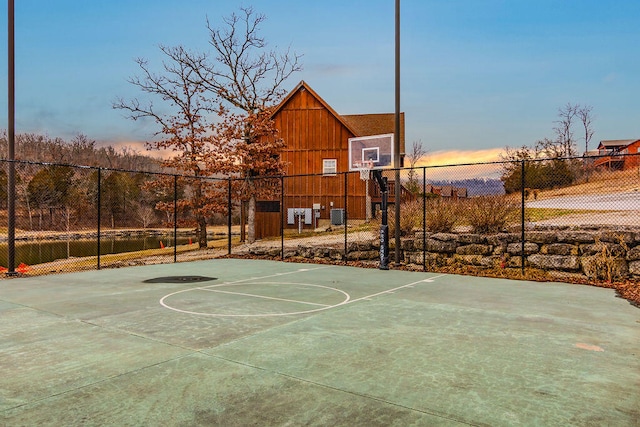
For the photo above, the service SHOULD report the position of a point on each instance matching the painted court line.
(347, 300)
(389, 291)
(266, 297)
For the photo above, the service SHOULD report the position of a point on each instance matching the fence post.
(424, 219)
(282, 216)
(522, 184)
(229, 216)
(99, 212)
(175, 218)
(346, 200)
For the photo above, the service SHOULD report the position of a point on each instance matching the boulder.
(434, 245)
(541, 237)
(473, 249)
(559, 249)
(576, 237)
(516, 248)
(554, 262)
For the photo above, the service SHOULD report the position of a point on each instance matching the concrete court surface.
(283, 344)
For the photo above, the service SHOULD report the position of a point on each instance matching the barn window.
(329, 166)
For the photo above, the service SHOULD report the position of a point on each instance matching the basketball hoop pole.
(384, 226)
(396, 138)
(11, 182)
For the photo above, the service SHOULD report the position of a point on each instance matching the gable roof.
(304, 86)
(617, 143)
(357, 124)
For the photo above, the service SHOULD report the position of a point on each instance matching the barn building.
(317, 189)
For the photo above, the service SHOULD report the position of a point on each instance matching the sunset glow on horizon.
(457, 157)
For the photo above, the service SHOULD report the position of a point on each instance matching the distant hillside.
(79, 151)
(475, 186)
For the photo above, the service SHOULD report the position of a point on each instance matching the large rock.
(503, 238)
(516, 248)
(603, 249)
(445, 237)
(576, 237)
(434, 245)
(627, 237)
(633, 254)
(473, 249)
(559, 249)
(541, 237)
(554, 262)
(634, 268)
(469, 239)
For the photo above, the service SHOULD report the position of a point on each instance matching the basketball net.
(365, 170)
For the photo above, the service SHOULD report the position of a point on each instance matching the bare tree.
(564, 131)
(415, 155)
(247, 77)
(586, 118)
(240, 83)
(184, 124)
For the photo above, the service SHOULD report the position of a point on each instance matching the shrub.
(442, 215)
(410, 218)
(490, 214)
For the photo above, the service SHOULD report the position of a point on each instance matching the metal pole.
(282, 216)
(11, 179)
(396, 137)
(346, 200)
(99, 202)
(424, 219)
(175, 218)
(229, 202)
(522, 184)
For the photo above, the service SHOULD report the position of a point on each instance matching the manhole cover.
(180, 279)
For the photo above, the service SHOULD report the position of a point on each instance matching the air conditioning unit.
(337, 216)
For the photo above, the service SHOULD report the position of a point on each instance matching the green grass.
(540, 214)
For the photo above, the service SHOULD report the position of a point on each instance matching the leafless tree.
(415, 155)
(145, 214)
(564, 131)
(586, 118)
(245, 75)
(183, 119)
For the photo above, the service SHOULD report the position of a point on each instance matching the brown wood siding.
(267, 224)
(311, 133)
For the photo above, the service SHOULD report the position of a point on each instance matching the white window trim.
(329, 167)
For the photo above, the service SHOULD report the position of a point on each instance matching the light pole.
(11, 178)
(396, 138)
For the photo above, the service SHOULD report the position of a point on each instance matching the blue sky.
(476, 75)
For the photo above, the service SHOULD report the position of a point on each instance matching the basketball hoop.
(365, 170)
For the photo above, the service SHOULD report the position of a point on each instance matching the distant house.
(447, 191)
(316, 141)
(614, 154)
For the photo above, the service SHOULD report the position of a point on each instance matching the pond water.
(38, 252)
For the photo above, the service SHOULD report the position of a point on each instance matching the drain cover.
(180, 279)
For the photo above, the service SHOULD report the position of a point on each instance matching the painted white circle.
(175, 306)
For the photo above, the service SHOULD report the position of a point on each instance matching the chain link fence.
(572, 216)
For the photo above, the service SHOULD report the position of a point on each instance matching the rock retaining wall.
(595, 253)
(589, 252)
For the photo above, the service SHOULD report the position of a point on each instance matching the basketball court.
(250, 342)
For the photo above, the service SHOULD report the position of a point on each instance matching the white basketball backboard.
(371, 152)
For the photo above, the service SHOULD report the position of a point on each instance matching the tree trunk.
(251, 219)
(30, 215)
(202, 232)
